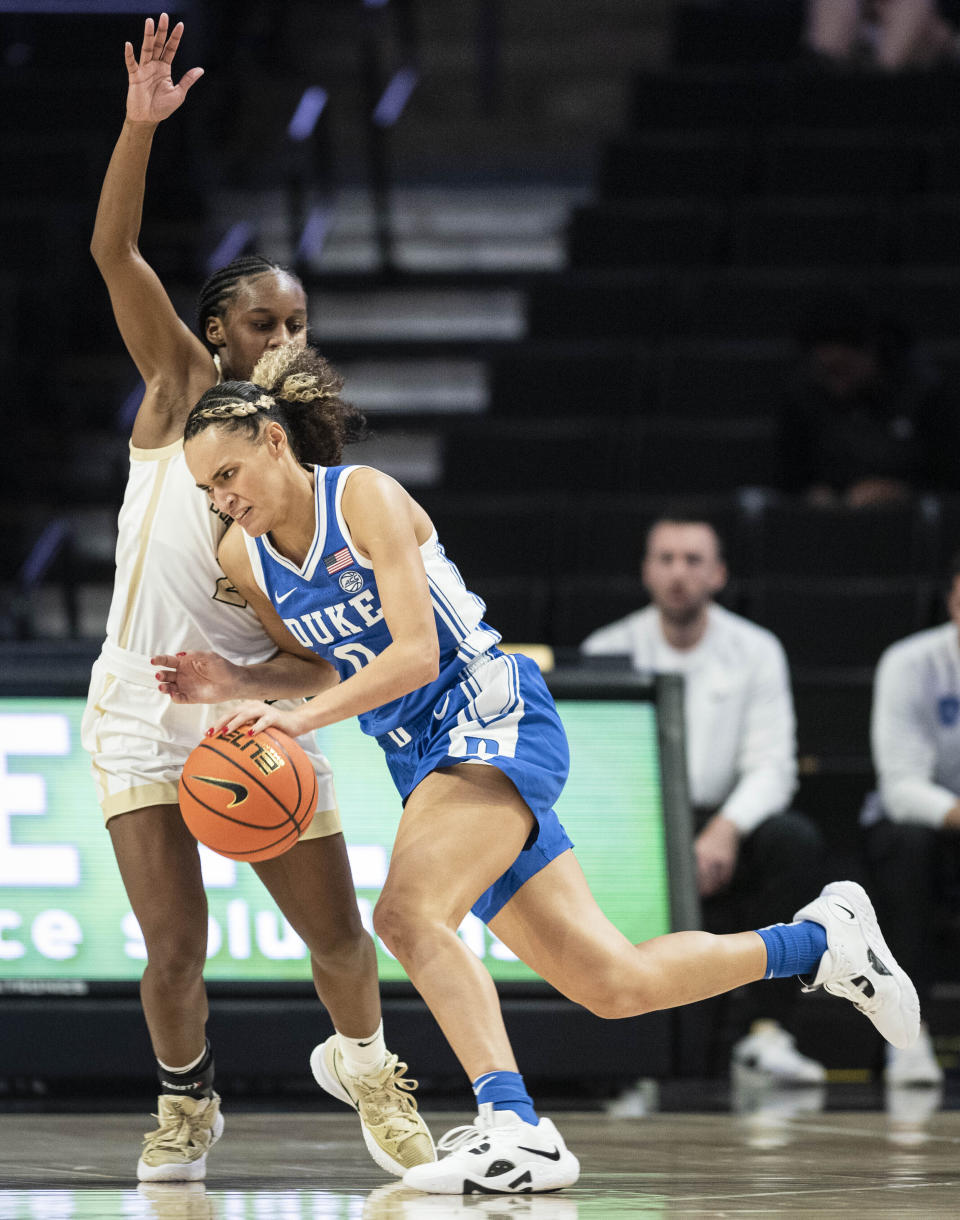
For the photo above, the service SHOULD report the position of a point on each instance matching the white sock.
(363, 1056)
(187, 1066)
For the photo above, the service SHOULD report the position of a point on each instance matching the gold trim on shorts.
(139, 798)
(325, 822)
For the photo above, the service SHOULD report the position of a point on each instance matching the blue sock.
(507, 1092)
(793, 948)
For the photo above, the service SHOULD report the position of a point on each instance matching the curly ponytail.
(298, 388)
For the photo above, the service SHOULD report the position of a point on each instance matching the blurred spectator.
(868, 420)
(912, 821)
(891, 34)
(754, 856)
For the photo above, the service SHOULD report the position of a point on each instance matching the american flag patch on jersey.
(338, 560)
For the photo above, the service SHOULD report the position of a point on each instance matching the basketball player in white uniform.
(170, 588)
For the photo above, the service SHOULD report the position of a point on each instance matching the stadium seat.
(537, 455)
(700, 165)
(511, 535)
(876, 102)
(710, 98)
(553, 378)
(516, 607)
(585, 602)
(797, 540)
(674, 234)
(678, 457)
(942, 151)
(600, 304)
(826, 623)
(833, 713)
(809, 233)
(746, 303)
(832, 792)
(860, 164)
(930, 230)
(730, 380)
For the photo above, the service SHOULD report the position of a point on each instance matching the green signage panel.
(64, 913)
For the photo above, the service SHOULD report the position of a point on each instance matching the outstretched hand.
(198, 677)
(151, 93)
(257, 716)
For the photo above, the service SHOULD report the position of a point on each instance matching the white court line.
(873, 1134)
(659, 1197)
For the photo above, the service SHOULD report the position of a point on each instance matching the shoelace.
(459, 1137)
(176, 1131)
(389, 1101)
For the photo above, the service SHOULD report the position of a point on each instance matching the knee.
(176, 960)
(395, 921)
(608, 995)
(331, 948)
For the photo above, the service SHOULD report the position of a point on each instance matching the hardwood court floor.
(283, 1166)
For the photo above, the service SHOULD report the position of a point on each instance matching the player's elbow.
(424, 661)
(108, 253)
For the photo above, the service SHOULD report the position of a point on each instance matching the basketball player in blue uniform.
(472, 739)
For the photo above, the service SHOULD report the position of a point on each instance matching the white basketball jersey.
(170, 594)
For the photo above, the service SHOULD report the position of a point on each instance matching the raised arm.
(175, 365)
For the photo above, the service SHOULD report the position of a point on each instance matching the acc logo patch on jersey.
(225, 592)
(948, 709)
(350, 582)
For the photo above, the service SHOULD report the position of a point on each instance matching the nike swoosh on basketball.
(239, 791)
(277, 597)
(551, 1156)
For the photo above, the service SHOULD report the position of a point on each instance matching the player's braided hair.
(296, 387)
(220, 289)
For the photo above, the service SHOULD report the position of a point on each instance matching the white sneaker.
(498, 1154)
(769, 1051)
(858, 966)
(394, 1132)
(917, 1065)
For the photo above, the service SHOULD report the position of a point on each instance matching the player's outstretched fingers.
(189, 78)
(161, 36)
(170, 47)
(146, 47)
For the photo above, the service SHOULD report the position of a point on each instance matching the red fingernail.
(158, 677)
(249, 732)
(209, 732)
(181, 654)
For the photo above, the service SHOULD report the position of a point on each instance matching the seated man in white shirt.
(754, 856)
(912, 823)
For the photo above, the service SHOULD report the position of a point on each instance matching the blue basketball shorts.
(500, 713)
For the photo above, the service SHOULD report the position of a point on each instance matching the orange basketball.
(249, 798)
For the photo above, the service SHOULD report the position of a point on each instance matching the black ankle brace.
(197, 1082)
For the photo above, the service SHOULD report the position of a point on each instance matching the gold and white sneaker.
(396, 1136)
(177, 1150)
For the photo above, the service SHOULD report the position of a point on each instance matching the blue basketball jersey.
(331, 604)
